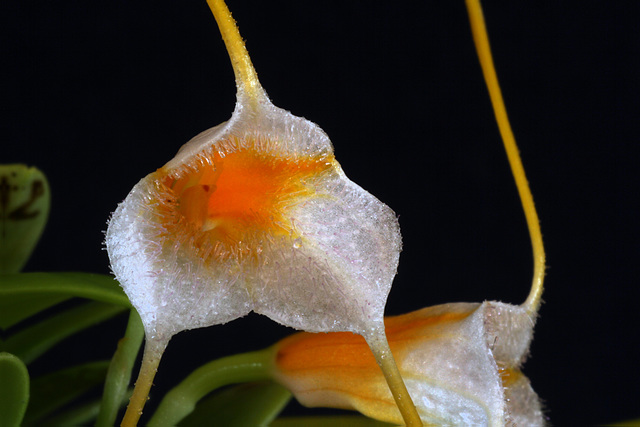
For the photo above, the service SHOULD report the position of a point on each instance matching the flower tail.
(379, 346)
(479, 30)
(153, 350)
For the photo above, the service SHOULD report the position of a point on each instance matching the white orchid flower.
(255, 214)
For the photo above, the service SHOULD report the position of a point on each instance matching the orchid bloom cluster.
(255, 214)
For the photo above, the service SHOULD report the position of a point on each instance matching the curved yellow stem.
(246, 77)
(479, 30)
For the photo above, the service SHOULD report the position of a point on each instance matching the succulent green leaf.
(251, 404)
(16, 308)
(24, 208)
(35, 340)
(77, 415)
(14, 390)
(182, 399)
(98, 287)
(82, 414)
(52, 392)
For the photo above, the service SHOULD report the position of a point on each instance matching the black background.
(98, 94)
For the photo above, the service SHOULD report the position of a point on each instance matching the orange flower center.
(233, 198)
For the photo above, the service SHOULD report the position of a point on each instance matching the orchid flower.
(461, 362)
(255, 214)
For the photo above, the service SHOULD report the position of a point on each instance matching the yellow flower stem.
(246, 77)
(153, 350)
(481, 39)
(379, 346)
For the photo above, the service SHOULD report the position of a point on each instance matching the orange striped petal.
(460, 362)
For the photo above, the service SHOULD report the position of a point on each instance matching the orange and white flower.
(460, 362)
(254, 214)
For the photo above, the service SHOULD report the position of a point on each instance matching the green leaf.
(329, 421)
(626, 423)
(251, 404)
(119, 374)
(83, 414)
(182, 399)
(14, 390)
(24, 210)
(98, 287)
(76, 415)
(51, 392)
(34, 341)
(16, 308)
